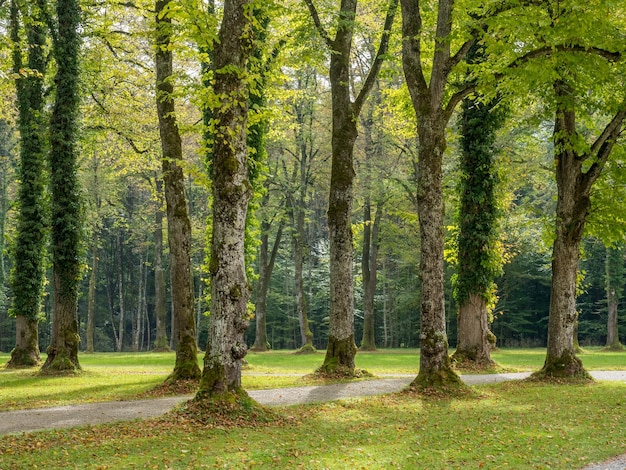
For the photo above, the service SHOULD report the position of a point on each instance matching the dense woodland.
(530, 61)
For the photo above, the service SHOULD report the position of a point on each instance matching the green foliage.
(27, 276)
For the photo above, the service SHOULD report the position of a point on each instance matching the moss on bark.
(567, 366)
(339, 358)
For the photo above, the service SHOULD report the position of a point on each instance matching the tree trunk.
(614, 283)
(179, 225)
(91, 301)
(266, 266)
(28, 272)
(161, 342)
(137, 320)
(297, 241)
(26, 351)
(66, 200)
(478, 262)
(369, 268)
(435, 367)
(475, 339)
(120, 295)
(232, 191)
(572, 207)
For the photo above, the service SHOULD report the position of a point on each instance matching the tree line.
(377, 173)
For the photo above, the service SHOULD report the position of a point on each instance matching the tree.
(28, 273)
(229, 317)
(341, 348)
(179, 225)
(160, 341)
(479, 262)
(371, 226)
(66, 200)
(614, 289)
(433, 105)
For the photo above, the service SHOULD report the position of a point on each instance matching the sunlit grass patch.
(512, 425)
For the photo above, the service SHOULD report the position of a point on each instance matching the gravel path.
(12, 422)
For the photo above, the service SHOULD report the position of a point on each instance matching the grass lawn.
(511, 425)
(115, 376)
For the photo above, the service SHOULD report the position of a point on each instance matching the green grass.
(511, 425)
(115, 376)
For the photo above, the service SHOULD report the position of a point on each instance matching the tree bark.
(232, 191)
(341, 349)
(120, 295)
(91, 300)
(266, 267)
(614, 283)
(432, 118)
(179, 225)
(572, 207)
(66, 200)
(161, 342)
(369, 269)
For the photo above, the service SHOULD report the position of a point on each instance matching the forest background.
(123, 245)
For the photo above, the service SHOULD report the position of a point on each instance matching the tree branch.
(378, 59)
(318, 23)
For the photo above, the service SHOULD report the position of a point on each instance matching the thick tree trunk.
(572, 207)
(66, 200)
(341, 349)
(297, 240)
(161, 342)
(475, 339)
(232, 191)
(435, 367)
(178, 223)
(28, 272)
(26, 351)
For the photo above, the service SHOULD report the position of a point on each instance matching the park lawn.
(116, 376)
(518, 425)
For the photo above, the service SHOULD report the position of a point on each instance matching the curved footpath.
(12, 422)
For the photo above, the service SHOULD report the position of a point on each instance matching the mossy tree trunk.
(614, 289)
(232, 191)
(91, 300)
(341, 349)
(66, 200)
(178, 222)
(573, 205)
(161, 342)
(433, 107)
(28, 272)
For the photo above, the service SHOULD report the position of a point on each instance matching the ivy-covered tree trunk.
(28, 272)
(614, 289)
(341, 350)
(66, 199)
(572, 207)
(478, 261)
(160, 299)
(6, 142)
(232, 191)
(179, 224)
